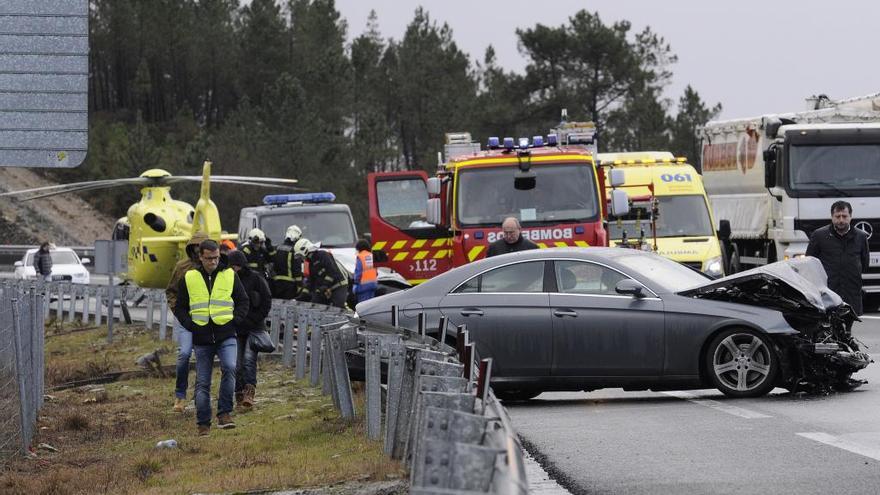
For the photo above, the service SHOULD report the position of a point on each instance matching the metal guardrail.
(439, 415)
(22, 367)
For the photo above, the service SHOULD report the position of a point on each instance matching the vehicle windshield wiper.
(826, 184)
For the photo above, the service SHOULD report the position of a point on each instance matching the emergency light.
(280, 199)
(508, 143)
(537, 141)
(552, 139)
(494, 142)
(524, 143)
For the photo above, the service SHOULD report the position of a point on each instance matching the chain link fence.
(22, 339)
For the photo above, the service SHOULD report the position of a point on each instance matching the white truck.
(771, 179)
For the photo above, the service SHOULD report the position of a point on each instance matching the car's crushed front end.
(822, 355)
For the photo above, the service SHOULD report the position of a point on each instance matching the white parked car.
(66, 265)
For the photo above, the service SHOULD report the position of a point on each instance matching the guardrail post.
(292, 314)
(59, 306)
(99, 305)
(373, 379)
(19, 368)
(163, 316)
(396, 364)
(306, 322)
(315, 355)
(275, 316)
(444, 428)
(326, 376)
(339, 374)
(150, 307)
(71, 308)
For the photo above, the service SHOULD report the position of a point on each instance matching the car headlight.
(712, 267)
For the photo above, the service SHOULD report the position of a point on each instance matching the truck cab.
(550, 184)
(669, 213)
(321, 220)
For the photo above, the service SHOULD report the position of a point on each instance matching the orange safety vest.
(368, 271)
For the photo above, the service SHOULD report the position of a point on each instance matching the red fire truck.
(427, 226)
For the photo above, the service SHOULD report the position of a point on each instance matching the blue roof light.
(508, 143)
(524, 143)
(494, 142)
(280, 199)
(552, 139)
(537, 141)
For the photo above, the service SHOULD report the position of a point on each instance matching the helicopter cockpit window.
(121, 232)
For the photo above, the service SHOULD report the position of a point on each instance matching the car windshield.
(330, 228)
(58, 258)
(678, 216)
(563, 192)
(842, 169)
(663, 272)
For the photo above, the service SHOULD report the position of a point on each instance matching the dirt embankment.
(66, 219)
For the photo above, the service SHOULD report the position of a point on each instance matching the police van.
(670, 212)
(321, 220)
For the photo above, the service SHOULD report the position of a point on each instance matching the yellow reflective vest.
(216, 305)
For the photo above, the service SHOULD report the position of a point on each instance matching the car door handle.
(472, 312)
(565, 312)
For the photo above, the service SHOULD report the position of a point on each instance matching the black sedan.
(584, 319)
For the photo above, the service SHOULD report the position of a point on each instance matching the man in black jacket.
(43, 262)
(511, 240)
(844, 253)
(260, 303)
(212, 304)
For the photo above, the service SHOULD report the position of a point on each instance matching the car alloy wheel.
(742, 363)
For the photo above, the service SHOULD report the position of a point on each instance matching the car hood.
(799, 283)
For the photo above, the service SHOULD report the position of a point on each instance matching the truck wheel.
(742, 363)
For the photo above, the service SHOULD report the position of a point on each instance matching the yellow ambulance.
(670, 212)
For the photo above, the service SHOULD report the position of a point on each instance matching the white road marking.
(718, 406)
(855, 448)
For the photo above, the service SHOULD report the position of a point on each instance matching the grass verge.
(106, 439)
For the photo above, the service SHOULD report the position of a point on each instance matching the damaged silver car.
(584, 319)
(821, 355)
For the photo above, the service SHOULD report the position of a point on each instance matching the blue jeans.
(226, 351)
(184, 340)
(246, 371)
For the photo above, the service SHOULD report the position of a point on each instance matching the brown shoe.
(249, 392)
(204, 430)
(224, 421)
(179, 405)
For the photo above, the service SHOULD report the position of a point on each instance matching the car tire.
(515, 395)
(742, 363)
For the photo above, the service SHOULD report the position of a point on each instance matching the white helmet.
(304, 246)
(257, 234)
(293, 233)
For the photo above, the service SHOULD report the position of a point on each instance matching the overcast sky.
(752, 56)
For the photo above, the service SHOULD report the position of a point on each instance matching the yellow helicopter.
(158, 226)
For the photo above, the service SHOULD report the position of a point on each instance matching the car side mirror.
(433, 186)
(630, 287)
(724, 230)
(86, 261)
(770, 167)
(380, 256)
(433, 212)
(618, 177)
(19, 263)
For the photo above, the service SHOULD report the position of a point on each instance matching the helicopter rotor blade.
(82, 188)
(257, 184)
(273, 180)
(61, 188)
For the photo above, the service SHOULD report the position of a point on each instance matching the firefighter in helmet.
(287, 282)
(259, 252)
(327, 282)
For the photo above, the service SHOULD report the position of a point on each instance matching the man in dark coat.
(260, 304)
(844, 253)
(43, 262)
(511, 240)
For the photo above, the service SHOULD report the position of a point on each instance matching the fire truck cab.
(551, 184)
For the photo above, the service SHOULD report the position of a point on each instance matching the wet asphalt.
(611, 441)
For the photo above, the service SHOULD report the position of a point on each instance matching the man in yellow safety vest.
(212, 303)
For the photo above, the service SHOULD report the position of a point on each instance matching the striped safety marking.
(474, 252)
